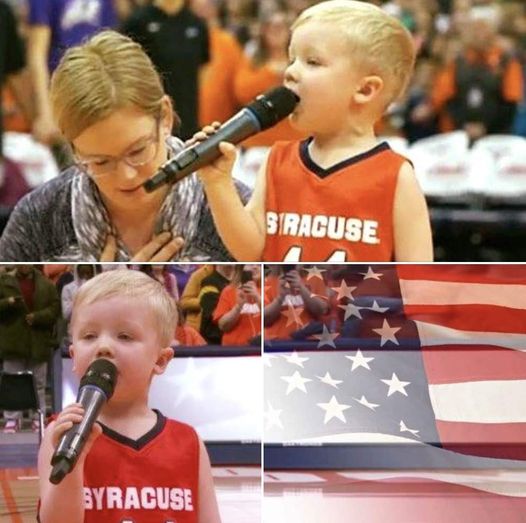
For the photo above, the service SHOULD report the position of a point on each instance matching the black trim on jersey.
(143, 440)
(323, 173)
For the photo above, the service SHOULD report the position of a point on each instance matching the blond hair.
(135, 286)
(377, 40)
(107, 72)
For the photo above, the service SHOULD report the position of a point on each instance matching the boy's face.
(125, 332)
(321, 73)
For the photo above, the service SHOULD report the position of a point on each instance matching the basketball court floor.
(424, 496)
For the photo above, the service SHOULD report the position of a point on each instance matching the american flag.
(425, 370)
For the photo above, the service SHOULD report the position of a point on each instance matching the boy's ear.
(71, 351)
(164, 358)
(368, 89)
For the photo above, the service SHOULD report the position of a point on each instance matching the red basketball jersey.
(151, 480)
(344, 213)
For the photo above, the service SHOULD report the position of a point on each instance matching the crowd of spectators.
(216, 55)
(318, 304)
(218, 305)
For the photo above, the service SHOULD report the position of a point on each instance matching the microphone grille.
(101, 373)
(273, 106)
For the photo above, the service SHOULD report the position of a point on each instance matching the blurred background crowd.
(308, 306)
(217, 305)
(216, 55)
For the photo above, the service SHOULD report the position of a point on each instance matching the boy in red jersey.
(137, 466)
(339, 195)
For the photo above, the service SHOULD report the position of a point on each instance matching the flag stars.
(387, 333)
(371, 275)
(314, 272)
(329, 380)
(376, 308)
(344, 291)
(359, 361)
(395, 385)
(293, 315)
(350, 310)
(296, 381)
(333, 409)
(272, 417)
(191, 383)
(363, 401)
(405, 428)
(296, 359)
(326, 338)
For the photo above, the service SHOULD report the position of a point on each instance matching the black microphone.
(264, 112)
(96, 387)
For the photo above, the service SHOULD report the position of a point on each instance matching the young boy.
(338, 196)
(137, 465)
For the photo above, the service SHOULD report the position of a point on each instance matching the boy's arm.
(65, 501)
(62, 502)
(208, 509)
(412, 229)
(242, 229)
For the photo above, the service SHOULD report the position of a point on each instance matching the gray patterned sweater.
(41, 226)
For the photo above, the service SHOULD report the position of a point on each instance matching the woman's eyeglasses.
(140, 154)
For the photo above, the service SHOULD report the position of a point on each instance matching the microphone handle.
(242, 125)
(65, 457)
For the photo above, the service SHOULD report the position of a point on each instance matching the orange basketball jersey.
(151, 480)
(344, 213)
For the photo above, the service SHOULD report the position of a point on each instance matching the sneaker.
(11, 426)
(35, 426)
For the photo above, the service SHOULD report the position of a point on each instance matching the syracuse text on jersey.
(320, 226)
(146, 498)
(320, 232)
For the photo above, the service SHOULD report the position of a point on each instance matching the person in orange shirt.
(479, 91)
(185, 334)
(340, 195)
(264, 69)
(238, 312)
(292, 300)
(217, 101)
(53, 271)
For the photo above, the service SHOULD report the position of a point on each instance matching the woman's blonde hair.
(137, 287)
(107, 72)
(377, 40)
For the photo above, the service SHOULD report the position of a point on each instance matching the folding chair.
(442, 167)
(18, 391)
(506, 183)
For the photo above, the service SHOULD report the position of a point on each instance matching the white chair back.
(506, 180)
(442, 165)
(248, 164)
(34, 159)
